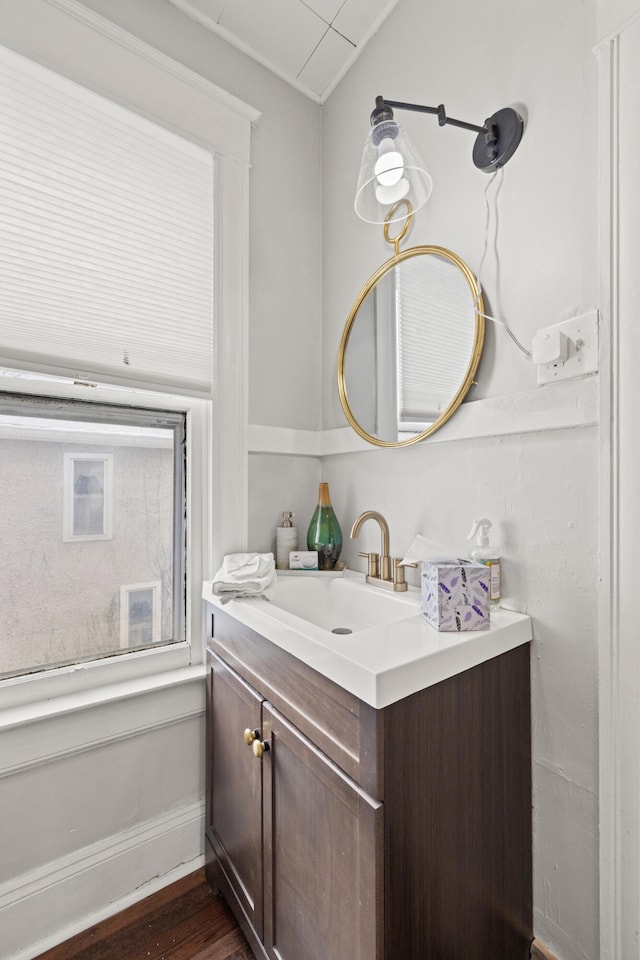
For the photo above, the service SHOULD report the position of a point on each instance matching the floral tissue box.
(455, 596)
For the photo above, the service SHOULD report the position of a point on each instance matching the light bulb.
(389, 168)
(391, 194)
(385, 145)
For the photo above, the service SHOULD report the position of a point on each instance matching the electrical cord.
(502, 323)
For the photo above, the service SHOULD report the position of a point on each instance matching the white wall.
(97, 801)
(540, 489)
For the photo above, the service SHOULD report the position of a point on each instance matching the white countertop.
(379, 663)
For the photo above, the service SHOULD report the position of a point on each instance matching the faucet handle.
(398, 570)
(373, 569)
(398, 573)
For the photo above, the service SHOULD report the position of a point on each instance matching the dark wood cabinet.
(322, 839)
(296, 840)
(365, 834)
(234, 807)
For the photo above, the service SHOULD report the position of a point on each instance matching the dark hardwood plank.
(93, 937)
(183, 921)
(232, 947)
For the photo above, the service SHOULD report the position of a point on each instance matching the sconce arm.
(497, 139)
(439, 112)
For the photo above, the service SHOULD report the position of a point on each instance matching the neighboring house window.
(140, 614)
(121, 500)
(87, 496)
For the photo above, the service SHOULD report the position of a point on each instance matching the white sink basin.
(390, 652)
(343, 605)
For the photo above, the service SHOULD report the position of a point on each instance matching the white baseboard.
(50, 904)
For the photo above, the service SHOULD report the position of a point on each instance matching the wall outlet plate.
(582, 359)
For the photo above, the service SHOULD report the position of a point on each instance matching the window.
(161, 90)
(120, 500)
(428, 288)
(87, 496)
(140, 614)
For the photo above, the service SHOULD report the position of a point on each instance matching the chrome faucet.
(383, 570)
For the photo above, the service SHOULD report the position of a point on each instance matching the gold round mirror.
(411, 346)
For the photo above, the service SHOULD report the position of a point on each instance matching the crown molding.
(78, 43)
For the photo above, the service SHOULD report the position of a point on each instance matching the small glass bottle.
(488, 556)
(324, 534)
(286, 540)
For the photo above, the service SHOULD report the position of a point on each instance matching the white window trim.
(67, 37)
(31, 695)
(156, 615)
(69, 497)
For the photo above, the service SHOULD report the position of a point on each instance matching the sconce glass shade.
(391, 169)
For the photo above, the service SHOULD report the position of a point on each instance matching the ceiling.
(309, 43)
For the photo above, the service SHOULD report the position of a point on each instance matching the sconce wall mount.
(391, 168)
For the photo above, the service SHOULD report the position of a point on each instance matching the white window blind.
(433, 307)
(106, 238)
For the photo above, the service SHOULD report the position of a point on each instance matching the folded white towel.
(245, 575)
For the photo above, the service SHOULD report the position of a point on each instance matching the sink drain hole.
(342, 630)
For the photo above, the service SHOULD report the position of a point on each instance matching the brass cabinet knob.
(260, 747)
(250, 735)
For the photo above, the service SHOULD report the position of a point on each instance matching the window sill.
(63, 704)
(56, 730)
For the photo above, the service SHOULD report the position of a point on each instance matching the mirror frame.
(468, 380)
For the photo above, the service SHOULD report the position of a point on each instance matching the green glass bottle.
(324, 534)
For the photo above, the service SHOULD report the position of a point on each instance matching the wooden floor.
(184, 921)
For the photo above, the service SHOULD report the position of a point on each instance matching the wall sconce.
(392, 170)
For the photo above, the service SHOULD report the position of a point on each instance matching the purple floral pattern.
(455, 596)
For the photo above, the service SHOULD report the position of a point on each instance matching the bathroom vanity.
(355, 820)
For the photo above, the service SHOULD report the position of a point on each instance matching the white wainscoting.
(102, 805)
(52, 903)
(556, 406)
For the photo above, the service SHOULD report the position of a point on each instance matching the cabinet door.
(235, 797)
(323, 853)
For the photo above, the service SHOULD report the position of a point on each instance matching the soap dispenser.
(484, 553)
(286, 540)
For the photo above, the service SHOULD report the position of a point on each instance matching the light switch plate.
(582, 332)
